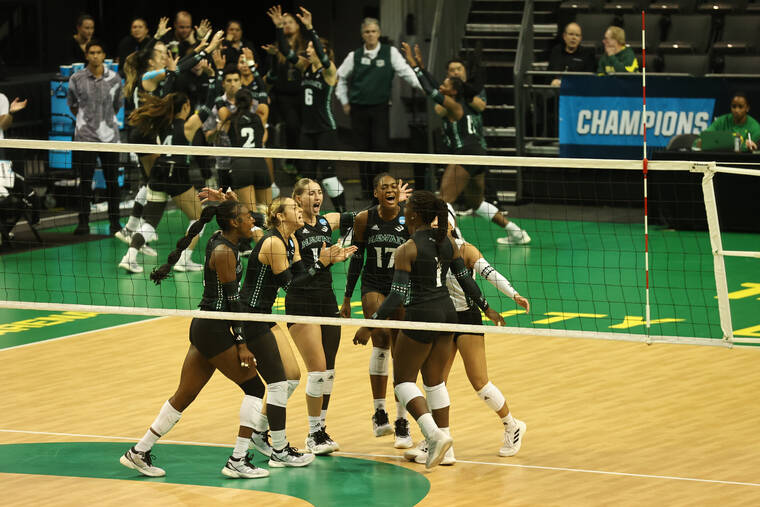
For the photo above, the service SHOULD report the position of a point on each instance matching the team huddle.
(407, 252)
(415, 269)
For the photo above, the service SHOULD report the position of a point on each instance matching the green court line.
(595, 269)
(328, 481)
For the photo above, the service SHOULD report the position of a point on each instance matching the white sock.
(323, 417)
(379, 404)
(400, 410)
(512, 228)
(132, 254)
(508, 420)
(133, 223)
(445, 430)
(278, 439)
(427, 425)
(315, 424)
(241, 447)
(165, 420)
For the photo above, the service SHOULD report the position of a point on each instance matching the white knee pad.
(142, 195)
(250, 406)
(486, 210)
(315, 384)
(275, 191)
(333, 186)
(378, 361)
(292, 384)
(155, 196)
(277, 394)
(492, 396)
(406, 392)
(437, 396)
(148, 231)
(329, 381)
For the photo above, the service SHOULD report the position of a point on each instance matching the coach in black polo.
(364, 86)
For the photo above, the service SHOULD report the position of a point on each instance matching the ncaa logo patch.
(402, 219)
(322, 221)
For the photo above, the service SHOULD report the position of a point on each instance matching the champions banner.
(601, 116)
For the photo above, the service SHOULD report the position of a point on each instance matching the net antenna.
(644, 163)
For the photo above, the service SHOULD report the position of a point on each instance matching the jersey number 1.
(438, 273)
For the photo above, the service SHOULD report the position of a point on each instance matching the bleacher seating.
(683, 36)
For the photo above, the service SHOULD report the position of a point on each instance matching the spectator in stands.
(364, 86)
(95, 97)
(6, 116)
(742, 125)
(85, 29)
(233, 44)
(570, 56)
(617, 57)
(137, 39)
(183, 38)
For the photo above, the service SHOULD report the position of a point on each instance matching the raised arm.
(429, 86)
(474, 260)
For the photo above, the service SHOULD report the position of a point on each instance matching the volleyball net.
(584, 270)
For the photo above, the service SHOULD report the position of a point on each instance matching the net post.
(645, 168)
(716, 245)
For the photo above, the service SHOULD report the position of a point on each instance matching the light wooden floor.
(609, 423)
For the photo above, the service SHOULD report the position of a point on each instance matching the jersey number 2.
(250, 137)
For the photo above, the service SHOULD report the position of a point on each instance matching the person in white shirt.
(7, 110)
(364, 86)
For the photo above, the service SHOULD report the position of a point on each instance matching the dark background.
(35, 34)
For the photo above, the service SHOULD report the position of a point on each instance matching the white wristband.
(250, 63)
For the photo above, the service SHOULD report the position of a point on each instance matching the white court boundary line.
(392, 456)
(82, 333)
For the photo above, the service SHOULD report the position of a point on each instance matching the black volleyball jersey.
(428, 275)
(260, 288)
(310, 239)
(168, 163)
(382, 240)
(213, 298)
(247, 131)
(466, 131)
(258, 91)
(316, 105)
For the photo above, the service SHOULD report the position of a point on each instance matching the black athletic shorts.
(473, 149)
(469, 316)
(170, 180)
(211, 337)
(439, 310)
(245, 172)
(312, 303)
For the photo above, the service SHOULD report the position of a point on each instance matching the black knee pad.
(253, 387)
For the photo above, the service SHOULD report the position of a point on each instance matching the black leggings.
(263, 345)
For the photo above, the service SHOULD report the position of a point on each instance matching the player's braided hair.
(429, 207)
(224, 212)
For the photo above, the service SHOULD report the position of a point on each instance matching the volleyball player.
(317, 344)
(318, 127)
(250, 79)
(245, 129)
(151, 71)
(379, 231)
(463, 135)
(212, 345)
(285, 82)
(419, 282)
(472, 348)
(171, 120)
(267, 271)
